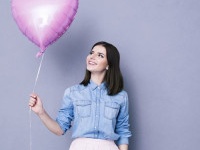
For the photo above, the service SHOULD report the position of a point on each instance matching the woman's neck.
(98, 79)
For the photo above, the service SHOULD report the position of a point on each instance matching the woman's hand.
(123, 147)
(35, 104)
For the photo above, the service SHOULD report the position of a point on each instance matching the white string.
(30, 116)
(36, 79)
(30, 134)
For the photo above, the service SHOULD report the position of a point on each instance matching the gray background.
(159, 45)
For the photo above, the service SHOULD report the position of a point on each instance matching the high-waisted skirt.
(92, 144)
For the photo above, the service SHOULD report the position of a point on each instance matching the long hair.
(113, 76)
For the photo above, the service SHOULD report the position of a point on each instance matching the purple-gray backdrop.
(159, 45)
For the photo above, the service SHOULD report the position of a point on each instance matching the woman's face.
(97, 60)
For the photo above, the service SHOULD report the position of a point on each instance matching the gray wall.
(159, 45)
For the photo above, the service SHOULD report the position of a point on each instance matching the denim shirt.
(94, 114)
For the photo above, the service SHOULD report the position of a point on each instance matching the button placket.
(98, 91)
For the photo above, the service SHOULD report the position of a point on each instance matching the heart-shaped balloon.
(43, 21)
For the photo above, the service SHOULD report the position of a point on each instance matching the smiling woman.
(98, 106)
(113, 76)
(97, 62)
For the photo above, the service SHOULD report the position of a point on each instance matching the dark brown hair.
(113, 76)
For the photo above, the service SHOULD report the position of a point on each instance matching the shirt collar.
(93, 85)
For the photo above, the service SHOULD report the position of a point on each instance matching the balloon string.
(38, 72)
(30, 116)
(30, 124)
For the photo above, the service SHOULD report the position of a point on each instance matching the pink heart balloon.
(43, 21)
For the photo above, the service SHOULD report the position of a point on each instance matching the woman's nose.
(93, 56)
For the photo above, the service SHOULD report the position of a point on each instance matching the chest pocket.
(83, 108)
(111, 110)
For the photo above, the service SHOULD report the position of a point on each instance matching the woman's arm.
(36, 106)
(123, 147)
(122, 124)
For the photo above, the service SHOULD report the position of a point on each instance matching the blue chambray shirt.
(94, 114)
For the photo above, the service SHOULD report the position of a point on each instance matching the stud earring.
(107, 68)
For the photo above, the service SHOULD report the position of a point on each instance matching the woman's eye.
(91, 52)
(100, 55)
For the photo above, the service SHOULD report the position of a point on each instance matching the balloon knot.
(39, 54)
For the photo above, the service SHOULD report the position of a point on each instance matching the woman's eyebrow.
(101, 53)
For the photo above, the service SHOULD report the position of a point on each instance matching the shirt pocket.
(83, 108)
(111, 110)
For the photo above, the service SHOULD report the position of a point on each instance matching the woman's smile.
(91, 62)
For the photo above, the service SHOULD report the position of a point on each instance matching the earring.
(107, 68)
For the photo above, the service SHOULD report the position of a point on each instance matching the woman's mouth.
(91, 63)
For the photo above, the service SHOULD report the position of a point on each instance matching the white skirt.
(92, 144)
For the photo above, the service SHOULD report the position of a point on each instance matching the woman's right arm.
(36, 106)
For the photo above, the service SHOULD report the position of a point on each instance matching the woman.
(98, 106)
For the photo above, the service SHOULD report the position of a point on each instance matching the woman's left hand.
(123, 147)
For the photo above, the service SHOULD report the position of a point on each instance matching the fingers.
(33, 100)
(34, 96)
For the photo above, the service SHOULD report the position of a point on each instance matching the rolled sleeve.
(65, 114)
(122, 140)
(122, 126)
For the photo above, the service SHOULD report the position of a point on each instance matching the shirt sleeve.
(65, 113)
(122, 125)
